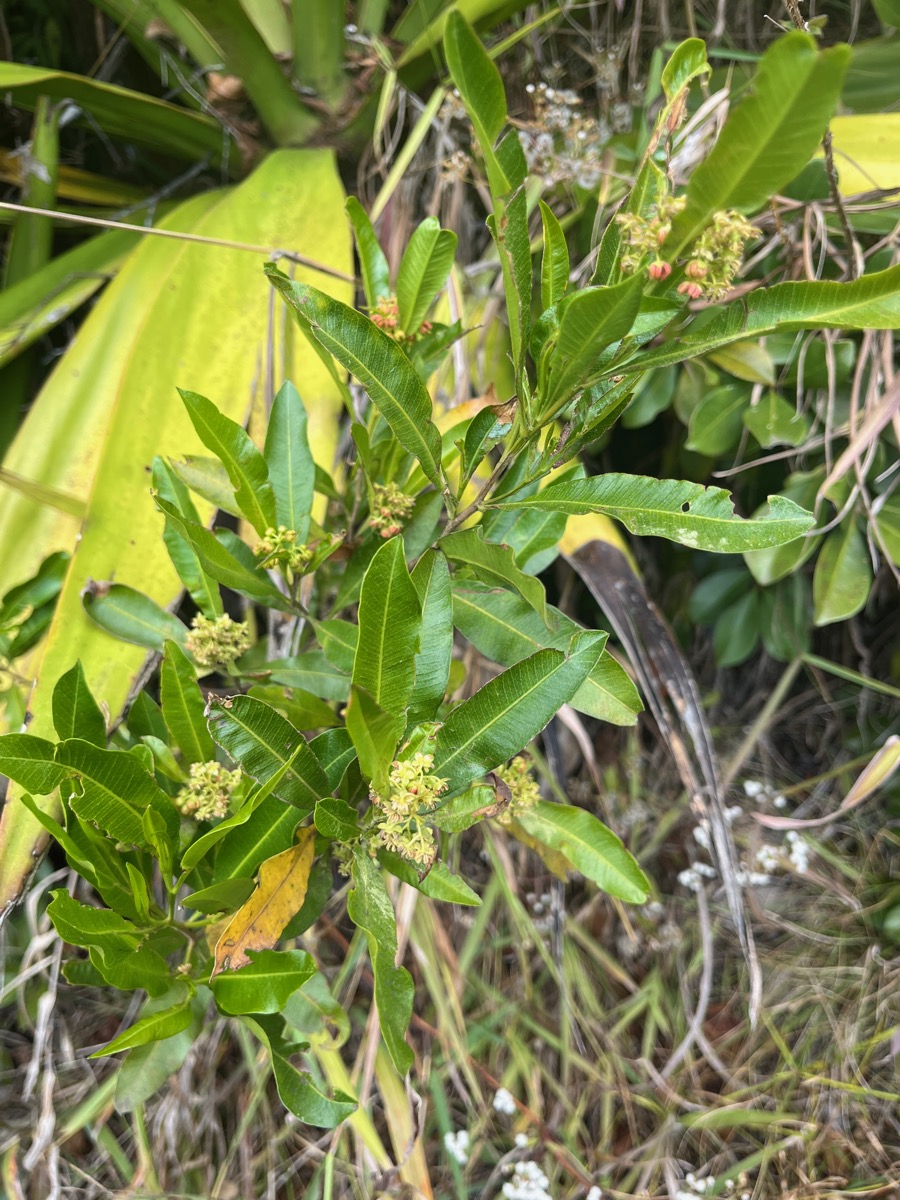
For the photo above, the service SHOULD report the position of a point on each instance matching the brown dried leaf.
(279, 895)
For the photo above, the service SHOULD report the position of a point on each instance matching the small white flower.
(528, 1183)
(779, 801)
(521, 1140)
(504, 1102)
(798, 852)
(753, 788)
(594, 1194)
(457, 1145)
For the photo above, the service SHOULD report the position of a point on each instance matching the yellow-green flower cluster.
(642, 236)
(522, 785)
(412, 791)
(280, 546)
(390, 508)
(716, 256)
(206, 795)
(215, 642)
(386, 316)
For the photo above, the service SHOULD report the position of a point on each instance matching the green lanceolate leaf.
(688, 60)
(375, 273)
(183, 706)
(700, 517)
(374, 359)
(268, 830)
(234, 448)
(222, 565)
(843, 575)
(334, 750)
(590, 322)
(292, 471)
(770, 136)
(495, 564)
(485, 430)
(76, 713)
(477, 79)
(29, 760)
(296, 1088)
(439, 884)
(265, 984)
(336, 819)
(423, 272)
(338, 639)
(83, 925)
(390, 626)
(506, 630)
(589, 846)
(375, 735)
(155, 1027)
(116, 791)
(431, 579)
(312, 672)
(555, 261)
(131, 615)
(369, 908)
(872, 302)
(509, 711)
(262, 741)
(202, 588)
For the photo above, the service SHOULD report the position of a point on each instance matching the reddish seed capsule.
(695, 269)
(660, 270)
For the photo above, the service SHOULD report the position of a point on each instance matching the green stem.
(247, 56)
(319, 47)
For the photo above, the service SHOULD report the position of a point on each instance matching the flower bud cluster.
(390, 509)
(412, 791)
(386, 316)
(206, 795)
(642, 236)
(716, 256)
(523, 787)
(215, 642)
(280, 546)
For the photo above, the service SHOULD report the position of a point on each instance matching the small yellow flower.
(206, 795)
(215, 642)
(390, 508)
(523, 787)
(412, 792)
(280, 546)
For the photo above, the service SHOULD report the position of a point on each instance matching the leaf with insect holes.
(700, 517)
(257, 925)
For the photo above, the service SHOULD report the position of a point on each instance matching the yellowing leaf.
(280, 893)
(866, 151)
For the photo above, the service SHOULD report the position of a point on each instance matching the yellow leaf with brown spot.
(279, 895)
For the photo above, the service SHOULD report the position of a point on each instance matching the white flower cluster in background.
(594, 1194)
(694, 1187)
(457, 1145)
(528, 1183)
(504, 1102)
(754, 790)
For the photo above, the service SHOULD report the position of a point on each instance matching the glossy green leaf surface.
(590, 321)
(375, 273)
(265, 983)
(116, 790)
(431, 579)
(506, 630)
(154, 1027)
(700, 517)
(843, 575)
(291, 468)
(131, 616)
(262, 741)
(375, 735)
(494, 563)
(376, 361)
(234, 448)
(555, 259)
(504, 715)
(390, 628)
(589, 846)
(76, 713)
(872, 302)
(29, 760)
(370, 909)
(770, 136)
(423, 272)
(183, 706)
